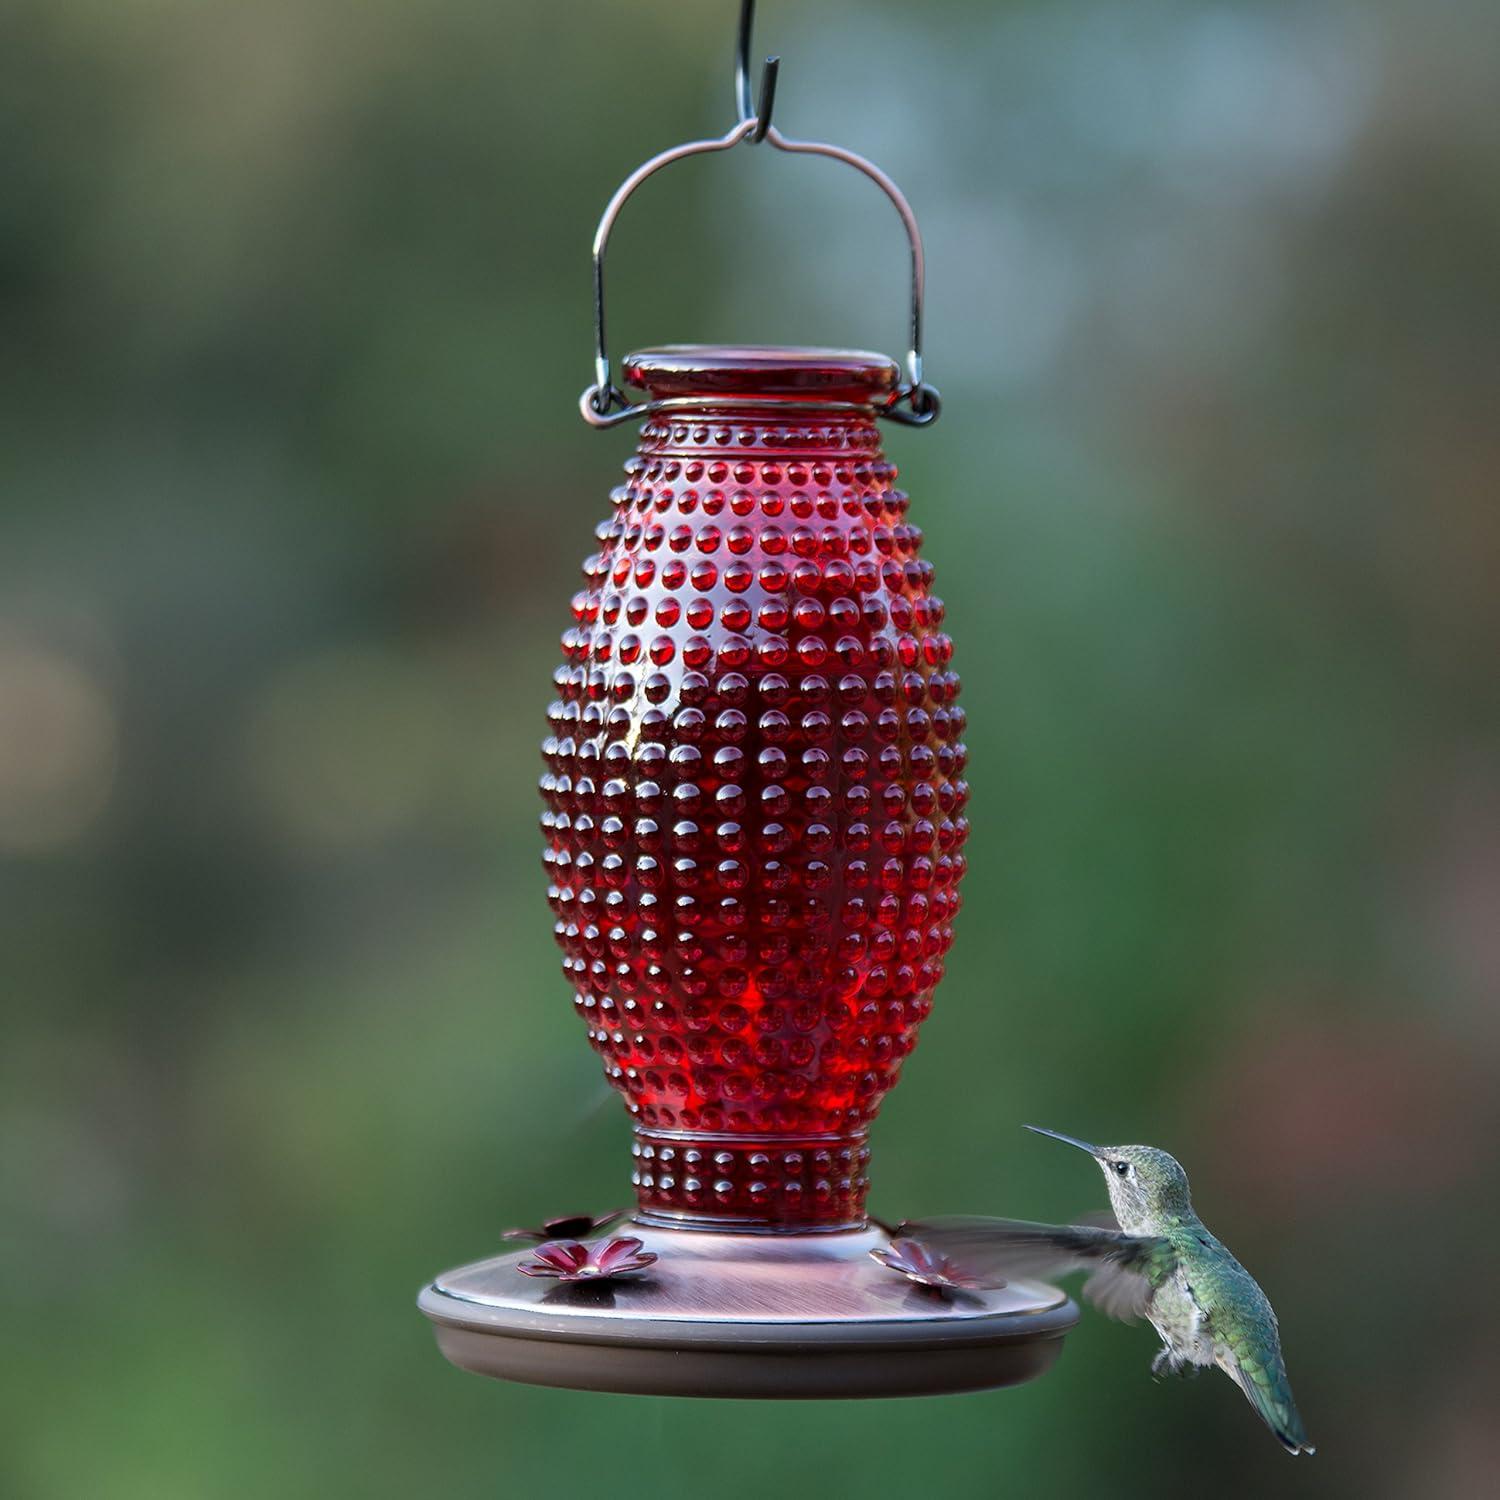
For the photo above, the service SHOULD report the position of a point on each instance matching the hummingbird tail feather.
(1272, 1399)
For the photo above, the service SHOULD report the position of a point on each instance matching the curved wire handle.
(603, 404)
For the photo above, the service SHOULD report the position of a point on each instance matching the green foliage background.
(296, 311)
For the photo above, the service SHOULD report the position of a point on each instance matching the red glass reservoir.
(754, 785)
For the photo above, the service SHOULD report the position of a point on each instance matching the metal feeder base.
(765, 1315)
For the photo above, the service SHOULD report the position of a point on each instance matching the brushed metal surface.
(746, 1315)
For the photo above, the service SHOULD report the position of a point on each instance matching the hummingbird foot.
(1169, 1362)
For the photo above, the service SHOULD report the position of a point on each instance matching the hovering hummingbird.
(1160, 1261)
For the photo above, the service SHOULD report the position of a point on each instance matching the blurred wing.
(1119, 1293)
(1126, 1268)
(1116, 1292)
(1099, 1218)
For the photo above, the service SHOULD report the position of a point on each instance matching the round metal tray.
(762, 1315)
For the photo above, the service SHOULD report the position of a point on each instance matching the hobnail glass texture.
(754, 788)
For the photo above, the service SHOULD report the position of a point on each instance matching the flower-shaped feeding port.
(931, 1270)
(567, 1227)
(571, 1261)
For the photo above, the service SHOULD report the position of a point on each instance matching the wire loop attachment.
(604, 404)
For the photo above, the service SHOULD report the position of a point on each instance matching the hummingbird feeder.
(754, 828)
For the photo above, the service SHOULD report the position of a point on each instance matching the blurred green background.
(295, 309)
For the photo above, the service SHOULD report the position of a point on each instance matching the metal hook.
(743, 101)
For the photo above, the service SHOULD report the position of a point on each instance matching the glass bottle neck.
(788, 432)
(750, 1182)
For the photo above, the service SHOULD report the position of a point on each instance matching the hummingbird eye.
(1122, 1168)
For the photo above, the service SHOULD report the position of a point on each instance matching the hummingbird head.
(1146, 1186)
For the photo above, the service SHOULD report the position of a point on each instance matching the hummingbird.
(1156, 1259)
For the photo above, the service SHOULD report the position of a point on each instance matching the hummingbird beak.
(1070, 1140)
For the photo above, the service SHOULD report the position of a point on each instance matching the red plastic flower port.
(915, 1261)
(568, 1227)
(607, 1260)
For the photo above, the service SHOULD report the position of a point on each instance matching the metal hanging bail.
(603, 404)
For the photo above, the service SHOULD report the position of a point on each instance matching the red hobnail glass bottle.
(754, 785)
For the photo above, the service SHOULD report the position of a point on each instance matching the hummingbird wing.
(1116, 1291)
(1126, 1269)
